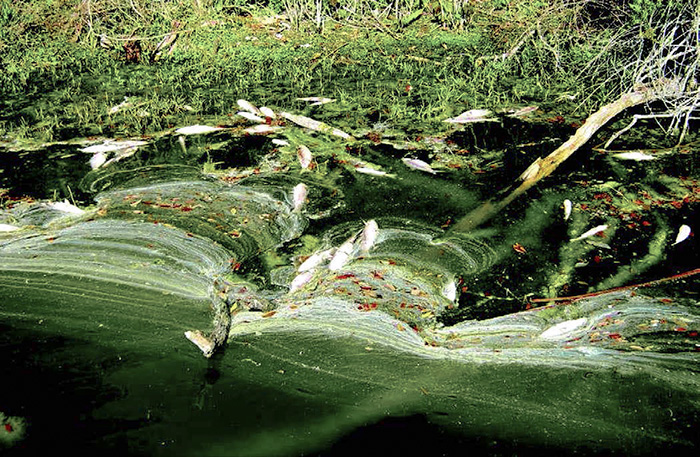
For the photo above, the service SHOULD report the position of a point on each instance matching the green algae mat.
(291, 291)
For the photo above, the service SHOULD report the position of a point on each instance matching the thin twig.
(617, 289)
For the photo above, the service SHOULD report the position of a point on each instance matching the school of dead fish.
(358, 244)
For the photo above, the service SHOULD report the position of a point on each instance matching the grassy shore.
(94, 67)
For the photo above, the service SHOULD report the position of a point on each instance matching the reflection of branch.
(514, 50)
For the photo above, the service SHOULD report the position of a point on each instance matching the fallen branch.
(541, 168)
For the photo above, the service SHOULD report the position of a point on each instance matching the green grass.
(58, 83)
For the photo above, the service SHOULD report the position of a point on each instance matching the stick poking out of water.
(541, 168)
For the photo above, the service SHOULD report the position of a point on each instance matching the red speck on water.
(680, 329)
(345, 276)
(8, 428)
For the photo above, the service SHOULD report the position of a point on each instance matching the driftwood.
(541, 168)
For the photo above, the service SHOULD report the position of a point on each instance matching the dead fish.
(474, 115)
(112, 145)
(97, 160)
(418, 164)
(368, 236)
(300, 280)
(449, 291)
(684, 232)
(196, 129)
(65, 207)
(316, 100)
(304, 156)
(206, 345)
(591, 232)
(279, 142)
(634, 155)
(250, 116)
(316, 259)
(299, 196)
(567, 209)
(8, 228)
(247, 106)
(261, 129)
(267, 112)
(373, 172)
(557, 331)
(342, 255)
(313, 124)
(523, 111)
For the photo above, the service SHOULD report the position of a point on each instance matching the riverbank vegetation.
(122, 69)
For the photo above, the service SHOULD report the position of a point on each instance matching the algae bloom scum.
(267, 272)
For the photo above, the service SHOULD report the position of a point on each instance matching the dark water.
(98, 369)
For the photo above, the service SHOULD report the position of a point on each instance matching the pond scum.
(273, 238)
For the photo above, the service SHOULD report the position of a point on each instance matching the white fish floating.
(97, 160)
(317, 100)
(206, 345)
(8, 228)
(267, 112)
(474, 115)
(304, 156)
(524, 111)
(342, 255)
(557, 331)
(316, 259)
(634, 155)
(591, 232)
(300, 280)
(449, 291)
(684, 232)
(262, 129)
(567, 209)
(418, 164)
(315, 125)
(245, 105)
(368, 236)
(280, 142)
(373, 172)
(299, 195)
(113, 145)
(197, 129)
(65, 207)
(250, 116)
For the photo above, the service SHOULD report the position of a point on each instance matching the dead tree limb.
(541, 168)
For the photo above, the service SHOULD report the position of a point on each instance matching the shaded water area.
(353, 318)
